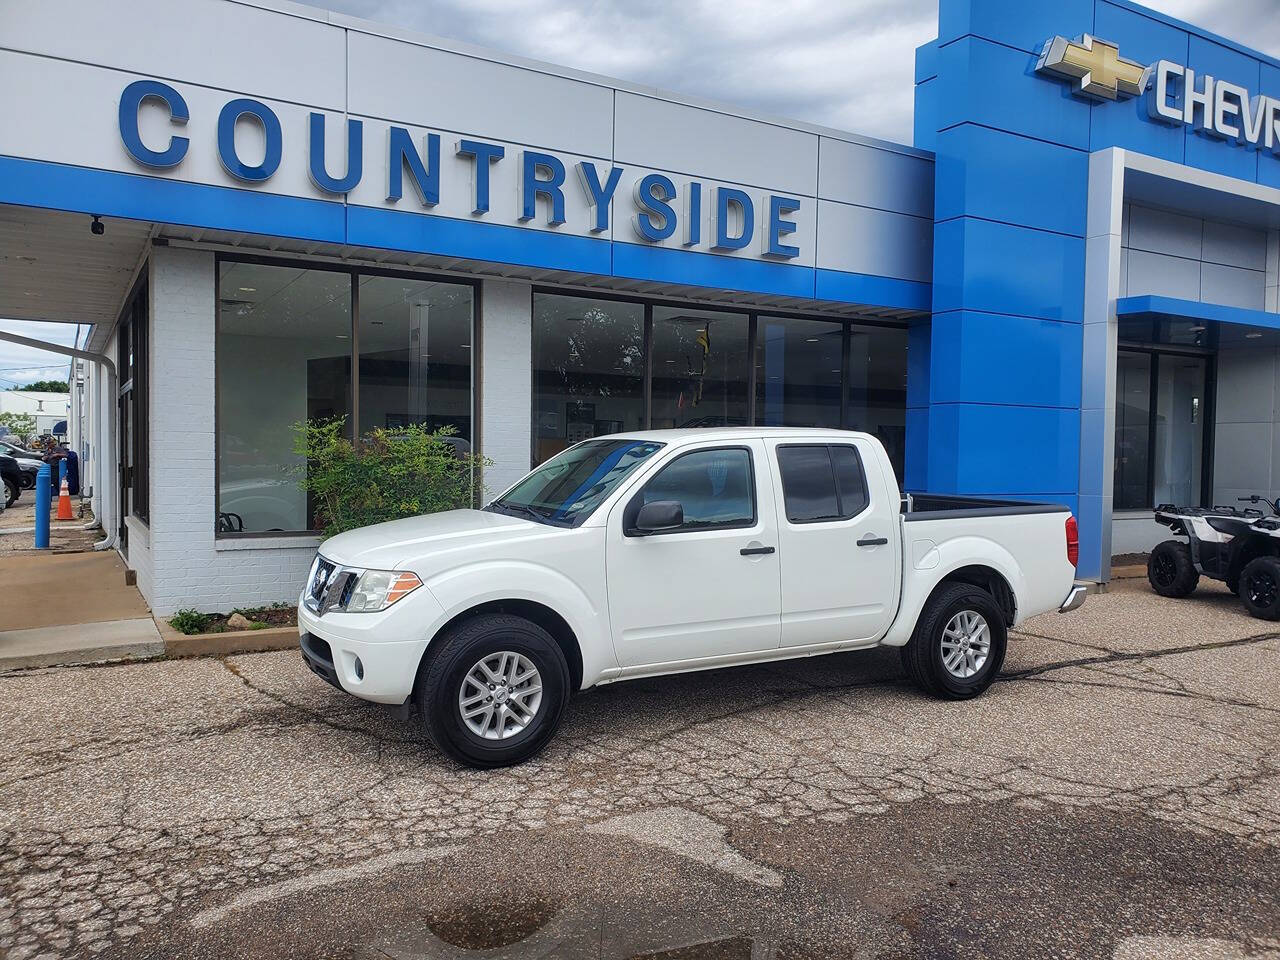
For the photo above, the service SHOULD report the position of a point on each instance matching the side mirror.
(659, 516)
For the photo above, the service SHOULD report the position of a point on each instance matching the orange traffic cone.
(64, 502)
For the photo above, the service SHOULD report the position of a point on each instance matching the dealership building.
(1064, 290)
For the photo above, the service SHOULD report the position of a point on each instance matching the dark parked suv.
(12, 479)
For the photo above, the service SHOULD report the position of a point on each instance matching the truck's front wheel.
(958, 644)
(493, 690)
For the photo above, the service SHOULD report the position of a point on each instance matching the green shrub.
(189, 621)
(258, 625)
(387, 475)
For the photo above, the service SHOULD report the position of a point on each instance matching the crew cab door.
(838, 540)
(709, 588)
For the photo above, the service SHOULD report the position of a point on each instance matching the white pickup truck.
(673, 550)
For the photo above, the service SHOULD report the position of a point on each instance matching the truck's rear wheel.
(493, 690)
(1170, 569)
(959, 643)
(1260, 587)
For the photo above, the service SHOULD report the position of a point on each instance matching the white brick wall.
(189, 567)
(505, 381)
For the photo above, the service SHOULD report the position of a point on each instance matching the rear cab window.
(822, 482)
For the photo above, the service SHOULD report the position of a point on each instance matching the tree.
(22, 426)
(46, 386)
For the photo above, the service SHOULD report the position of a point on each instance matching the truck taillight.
(1073, 541)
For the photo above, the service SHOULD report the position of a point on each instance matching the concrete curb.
(1134, 571)
(223, 644)
(98, 642)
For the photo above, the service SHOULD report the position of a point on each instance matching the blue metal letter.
(779, 207)
(693, 223)
(531, 187)
(651, 203)
(355, 156)
(724, 197)
(484, 154)
(401, 151)
(131, 100)
(227, 120)
(597, 194)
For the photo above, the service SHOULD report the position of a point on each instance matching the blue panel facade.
(1004, 409)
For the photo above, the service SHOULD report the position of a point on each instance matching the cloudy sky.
(847, 65)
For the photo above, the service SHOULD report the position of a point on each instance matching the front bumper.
(1075, 598)
(373, 656)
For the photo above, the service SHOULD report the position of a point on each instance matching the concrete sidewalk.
(136, 639)
(71, 608)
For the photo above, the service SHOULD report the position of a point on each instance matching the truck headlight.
(378, 589)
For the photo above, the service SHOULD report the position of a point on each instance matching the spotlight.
(97, 228)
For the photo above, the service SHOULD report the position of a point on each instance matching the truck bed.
(942, 506)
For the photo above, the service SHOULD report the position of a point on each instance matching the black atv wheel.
(1170, 570)
(1260, 587)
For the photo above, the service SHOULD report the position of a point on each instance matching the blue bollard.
(56, 488)
(43, 477)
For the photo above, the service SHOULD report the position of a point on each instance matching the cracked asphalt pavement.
(1115, 794)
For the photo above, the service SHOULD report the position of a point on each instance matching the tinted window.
(851, 484)
(714, 487)
(808, 485)
(822, 483)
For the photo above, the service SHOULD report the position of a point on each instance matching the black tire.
(452, 656)
(28, 482)
(1170, 570)
(1260, 587)
(923, 656)
(11, 492)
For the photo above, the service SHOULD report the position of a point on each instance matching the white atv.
(1240, 547)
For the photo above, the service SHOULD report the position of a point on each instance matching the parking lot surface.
(1115, 794)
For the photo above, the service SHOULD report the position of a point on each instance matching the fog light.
(359, 667)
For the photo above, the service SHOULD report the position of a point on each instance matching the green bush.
(387, 475)
(189, 621)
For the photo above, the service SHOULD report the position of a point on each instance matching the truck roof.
(737, 433)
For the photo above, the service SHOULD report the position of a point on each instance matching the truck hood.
(398, 543)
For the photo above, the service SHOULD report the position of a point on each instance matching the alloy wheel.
(966, 644)
(500, 695)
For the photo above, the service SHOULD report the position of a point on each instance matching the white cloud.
(20, 364)
(848, 65)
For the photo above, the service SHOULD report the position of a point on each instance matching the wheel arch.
(987, 578)
(531, 610)
(1254, 546)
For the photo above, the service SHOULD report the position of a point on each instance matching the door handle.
(755, 551)
(873, 541)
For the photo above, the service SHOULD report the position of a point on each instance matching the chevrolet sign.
(1175, 95)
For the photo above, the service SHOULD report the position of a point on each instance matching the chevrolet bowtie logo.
(1096, 64)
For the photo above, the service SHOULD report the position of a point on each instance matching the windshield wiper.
(521, 509)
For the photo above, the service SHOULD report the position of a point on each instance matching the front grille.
(320, 575)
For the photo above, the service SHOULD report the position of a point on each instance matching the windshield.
(567, 488)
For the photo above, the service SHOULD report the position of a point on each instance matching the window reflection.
(415, 354)
(700, 368)
(588, 370)
(798, 364)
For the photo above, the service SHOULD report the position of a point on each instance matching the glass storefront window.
(798, 372)
(588, 370)
(877, 390)
(283, 356)
(285, 351)
(415, 354)
(700, 369)
(1133, 430)
(1179, 439)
